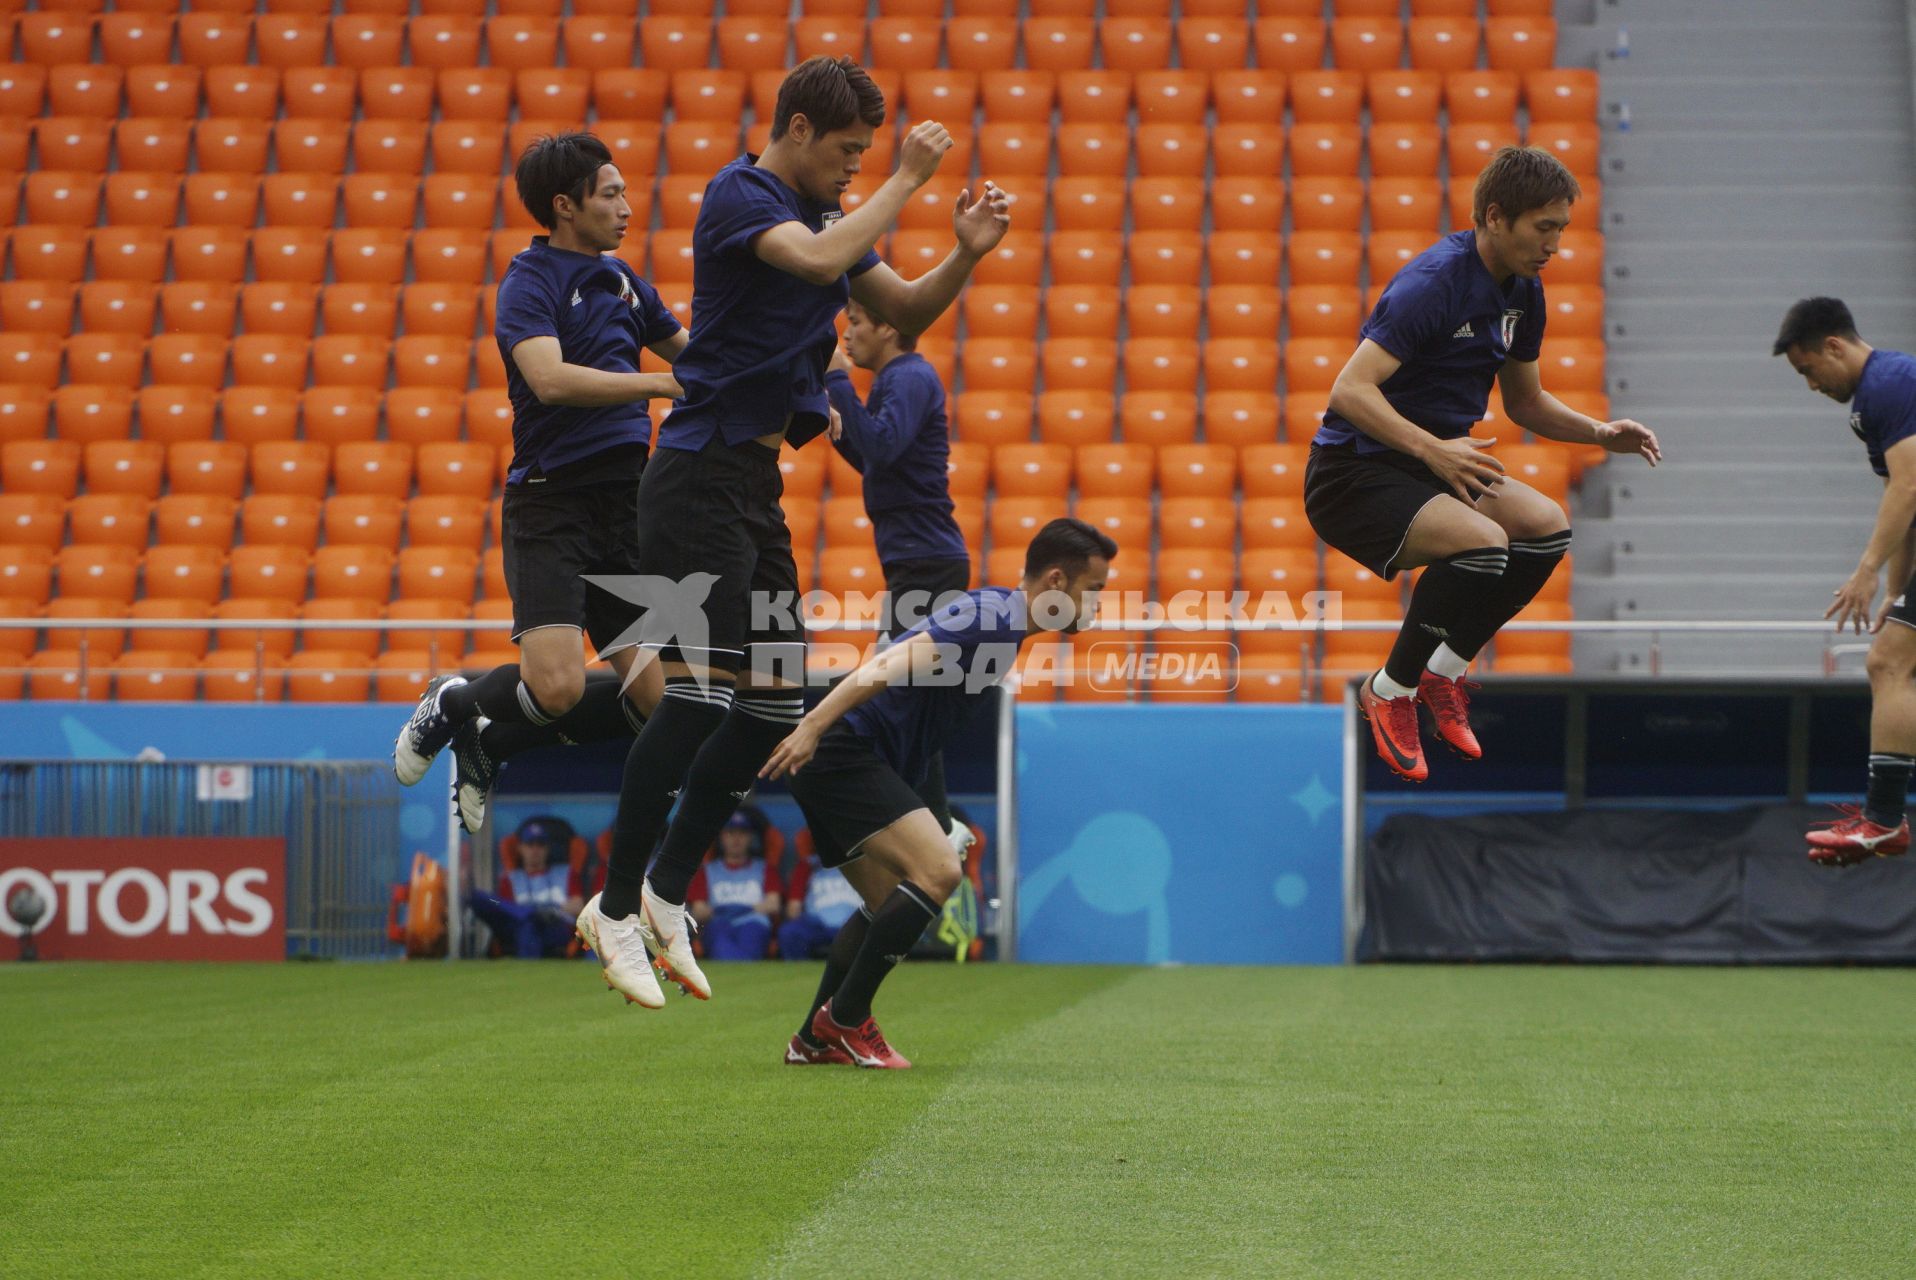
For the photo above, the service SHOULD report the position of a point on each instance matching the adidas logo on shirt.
(576, 300)
(1465, 332)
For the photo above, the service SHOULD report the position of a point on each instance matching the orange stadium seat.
(268, 571)
(520, 42)
(628, 93)
(108, 359)
(1032, 470)
(746, 43)
(315, 148)
(1482, 97)
(388, 147)
(193, 519)
(1104, 98)
(44, 306)
(285, 520)
(84, 90)
(87, 413)
(142, 199)
(1323, 204)
(61, 197)
(1575, 142)
(103, 645)
(32, 520)
(1027, 96)
(1249, 96)
(297, 467)
(475, 95)
(353, 572)
(1245, 257)
(26, 574)
(438, 573)
(1579, 260)
(59, 254)
(1405, 150)
(206, 466)
(1412, 205)
(364, 519)
(1561, 94)
(50, 39)
(1116, 470)
(1158, 416)
(993, 417)
(1198, 522)
(1273, 470)
(981, 44)
(1367, 43)
(1084, 97)
(349, 360)
(288, 255)
(1075, 416)
(322, 93)
(79, 143)
(336, 415)
(1444, 44)
(1327, 96)
(240, 90)
(189, 571)
(216, 201)
(157, 675)
(1520, 44)
(1015, 150)
(328, 675)
(368, 39)
(1275, 523)
(1239, 418)
(1207, 44)
(1078, 364)
(30, 359)
(1093, 150)
(449, 257)
(382, 199)
(366, 310)
(172, 414)
(460, 469)
(109, 519)
(23, 90)
(1173, 151)
(465, 146)
(938, 94)
(154, 641)
(290, 39)
(1196, 470)
(1404, 97)
(1165, 257)
(100, 571)
(397, 93)
(106, 306)
(1242, 311)
(1067, 43)
(1126, 520)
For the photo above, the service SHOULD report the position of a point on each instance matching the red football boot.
(1393, 724)
(800, 1054)
(1853, 838)
(864, 1044)
(1449, 703)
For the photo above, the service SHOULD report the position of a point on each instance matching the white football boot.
(621, 950)
(667, 931)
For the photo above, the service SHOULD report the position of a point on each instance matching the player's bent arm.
(1358, 397)
(913, 306)
(820, 257)
(875, 439)
(668, 349)
(1539, 412)
(1894, 513)
(543, 365)
(893, 665)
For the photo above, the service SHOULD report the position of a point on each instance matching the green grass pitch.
(513, 1119)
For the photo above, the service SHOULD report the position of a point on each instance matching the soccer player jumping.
(1820, 340)
(773, 261)
(857, 760)
(1396, 481)
(572, 319)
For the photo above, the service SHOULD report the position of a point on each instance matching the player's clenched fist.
(923, 148)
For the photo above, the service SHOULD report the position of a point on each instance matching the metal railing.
(1656, 629)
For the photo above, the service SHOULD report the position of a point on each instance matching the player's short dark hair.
(555, 165)
(905, 341)
(1519, 179)
(1813, 320)
(832, 93)
(1067, 544)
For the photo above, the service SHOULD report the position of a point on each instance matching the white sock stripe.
(917, 895)
(1490, 568)
(866, 912)
(1541, 546)
(714, 695)
(1890, 757)
(530, 705)
(774, 715)
(633, 716)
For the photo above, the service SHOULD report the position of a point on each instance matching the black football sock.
(655, 768)
(932, 791)
(602, 714)
(838, 962)
(721, 776)
(899, 922)
(1888, 787)
(488, 695)
(501, 742)
(1532, 561)
(1449, 590)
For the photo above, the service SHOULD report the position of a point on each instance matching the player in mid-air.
(1820, 340)
(900, 442)
(773, 261)
(572, 320)
(1396, 481)
(856, 760)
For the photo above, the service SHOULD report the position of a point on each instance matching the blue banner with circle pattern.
(1170, 834)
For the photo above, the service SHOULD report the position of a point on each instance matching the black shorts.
(913, 588)
(580, 519)
(1903, 607)
(848, 795)
(1363, 504)
(713, 536)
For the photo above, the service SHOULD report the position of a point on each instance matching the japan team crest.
(1510, 325)
(1856, 425)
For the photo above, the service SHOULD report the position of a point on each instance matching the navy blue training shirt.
(900, 442)
(602, 313)
(1883, 410)
(979, 634)
(760, 337)
(1444, 316)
